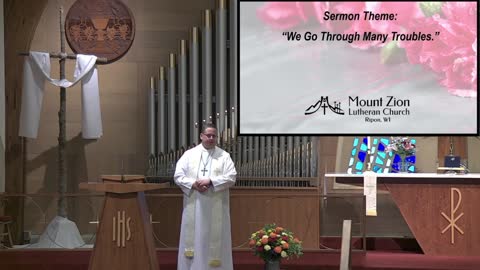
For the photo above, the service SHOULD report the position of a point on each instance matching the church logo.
(324, 104)
(453, 219)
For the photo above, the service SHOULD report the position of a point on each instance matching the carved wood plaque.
(105, 28)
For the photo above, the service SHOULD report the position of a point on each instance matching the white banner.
(370, 192)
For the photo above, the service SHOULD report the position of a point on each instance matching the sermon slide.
(347, 68)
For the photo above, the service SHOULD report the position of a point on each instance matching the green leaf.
(431, 8)
(389, 51)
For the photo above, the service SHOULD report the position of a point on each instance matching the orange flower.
(285, 245)
(296, 240)
(278, 230)
(264, 241)
(273, 235)
(278, 249)
(252, 243)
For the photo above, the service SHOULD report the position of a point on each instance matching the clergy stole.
(217, 211)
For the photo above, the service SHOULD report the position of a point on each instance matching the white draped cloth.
(205, 237)
(36, 71)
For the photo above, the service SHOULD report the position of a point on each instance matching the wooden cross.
(62, 173)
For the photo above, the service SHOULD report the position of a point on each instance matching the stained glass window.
(382, 161)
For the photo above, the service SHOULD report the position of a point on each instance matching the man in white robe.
(205, 173)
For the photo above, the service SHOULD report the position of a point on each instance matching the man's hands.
(201, 185)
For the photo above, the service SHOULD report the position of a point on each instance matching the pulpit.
(124, 237)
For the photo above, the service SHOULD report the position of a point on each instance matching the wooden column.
(21, 19)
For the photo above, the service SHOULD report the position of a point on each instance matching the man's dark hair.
(208, 125)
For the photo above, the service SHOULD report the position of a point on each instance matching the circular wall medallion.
(104, 28)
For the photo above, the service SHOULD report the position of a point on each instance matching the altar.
(440, 209)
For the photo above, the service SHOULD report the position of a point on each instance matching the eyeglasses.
(210, 136)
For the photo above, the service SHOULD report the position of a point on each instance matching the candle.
(218, 131)
(197, 132)
(225, 125)
(232, 122)
(368, 143)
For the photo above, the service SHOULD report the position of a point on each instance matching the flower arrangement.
(402, 146)
(272, 243)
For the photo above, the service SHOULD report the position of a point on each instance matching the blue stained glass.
(355, 142)
(363, 147)
(361, 156)
(359, 166)
(377, 169)
(381, 147)
(378, 149)
(379, 160)
(385, 141)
